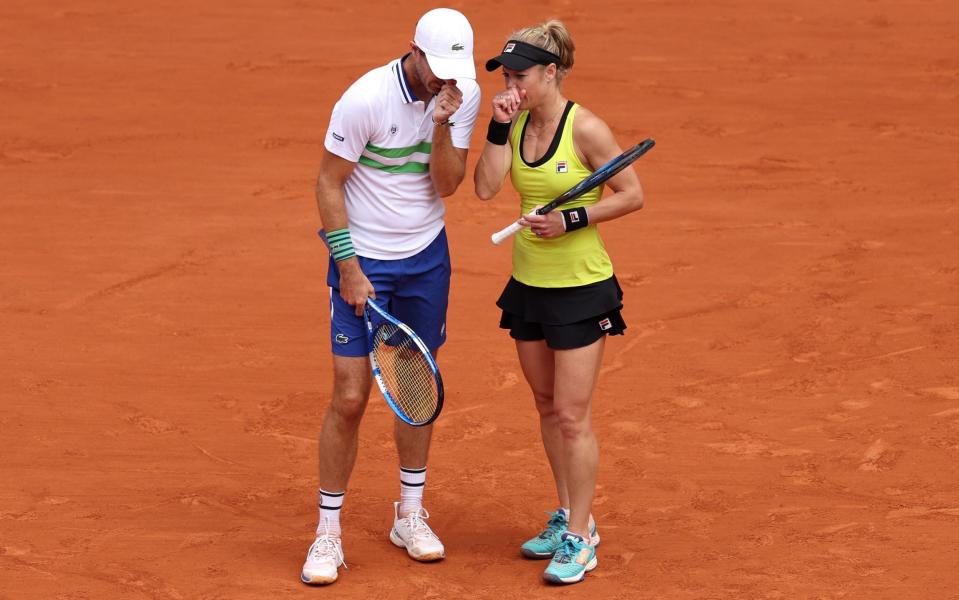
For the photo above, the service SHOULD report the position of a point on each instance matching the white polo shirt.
(393, 209)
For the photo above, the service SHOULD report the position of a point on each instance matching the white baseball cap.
(445, 36)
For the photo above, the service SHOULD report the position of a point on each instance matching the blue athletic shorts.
(415, 290)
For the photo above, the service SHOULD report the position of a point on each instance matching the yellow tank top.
(576, 258)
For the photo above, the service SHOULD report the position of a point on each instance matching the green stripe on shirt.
(410, 167)
(423, 147)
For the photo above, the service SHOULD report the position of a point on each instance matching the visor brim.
(510, 61)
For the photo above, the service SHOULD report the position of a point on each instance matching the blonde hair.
(552, 36)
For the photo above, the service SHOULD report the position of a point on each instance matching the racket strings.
(405, 372)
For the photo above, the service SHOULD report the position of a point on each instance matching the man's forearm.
(331, 204)
(447, 165)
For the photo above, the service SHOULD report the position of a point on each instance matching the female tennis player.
(562, 299)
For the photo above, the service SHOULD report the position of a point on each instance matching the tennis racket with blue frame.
(595, 179)
(403, 368)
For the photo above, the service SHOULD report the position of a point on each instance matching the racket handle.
(506, 232)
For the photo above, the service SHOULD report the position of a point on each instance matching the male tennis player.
(397, 142)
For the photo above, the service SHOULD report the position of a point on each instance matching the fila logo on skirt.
(605, 324)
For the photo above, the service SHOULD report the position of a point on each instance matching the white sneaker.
(412, 532)
(322, 561)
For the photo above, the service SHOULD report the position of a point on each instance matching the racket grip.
(506, 232)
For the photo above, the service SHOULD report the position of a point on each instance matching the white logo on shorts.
(605, 324)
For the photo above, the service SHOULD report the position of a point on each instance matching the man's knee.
(349, 406)
(351, 388)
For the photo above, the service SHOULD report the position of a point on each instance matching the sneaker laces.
(328, 546)
(556, 523)
(418, 527)
(567, 550)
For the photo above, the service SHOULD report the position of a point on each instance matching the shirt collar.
(405, 90)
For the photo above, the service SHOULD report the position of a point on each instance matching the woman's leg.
(536, 359)
(575, 375)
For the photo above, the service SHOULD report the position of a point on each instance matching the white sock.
(412, 482)
(330, 504)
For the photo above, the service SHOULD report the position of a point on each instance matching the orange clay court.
(780, 421)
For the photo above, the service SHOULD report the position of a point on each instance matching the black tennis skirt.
(560, 306)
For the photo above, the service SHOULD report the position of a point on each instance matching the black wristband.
(575, 218)
(498, 133)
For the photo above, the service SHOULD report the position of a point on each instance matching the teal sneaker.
(573, 559)
(545, 544)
